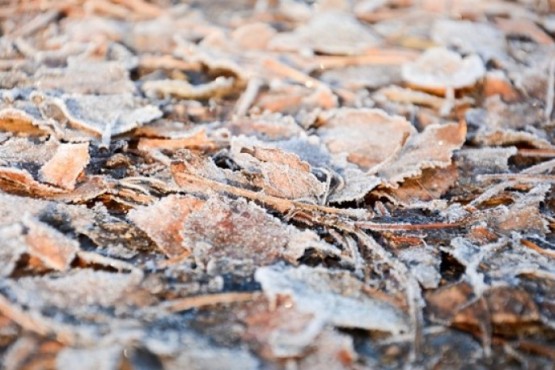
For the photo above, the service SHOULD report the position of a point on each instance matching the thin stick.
(248, 96)
(518, 177)
(39, 325)
(373, 226)
(549, 153)
(550, 93)
(188, 303)
(531, 245)
(286, 71)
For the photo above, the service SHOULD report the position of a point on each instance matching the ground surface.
(277, 184)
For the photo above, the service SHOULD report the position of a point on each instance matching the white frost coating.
(335, 297)
(470, 37)
(329, 32)
(100, 358)
(439, 68)
(75, 289)
(94, 112)
(194, 352)
(423, 264)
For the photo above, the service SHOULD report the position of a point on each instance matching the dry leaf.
(330, 33)
(276, 172)
(277, 184)
(439, 69)
(368, 137)
(335, 297)
(216, 231)
(53, 248)
(65, 166)
(163, 221)
(84, 77)
(105, 115)
(419, 153)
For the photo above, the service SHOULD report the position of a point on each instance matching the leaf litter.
(277, 184)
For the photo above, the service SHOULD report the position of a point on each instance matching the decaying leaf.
(418, 154)
(336, 298)
(66, 164)
(84, 77)
(439, 69)
(216, 231)
(23, 119)
(330, 33)
(429, 186)
(164, 220)
(276, 172)
(470, 38)
(368, 137)
(53, 248)
(105, 115)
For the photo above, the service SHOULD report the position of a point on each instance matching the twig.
(373, 226)
(286, 71)
(248, 96)
(40, 325)
(550, 93)
(188, 303)
(517, 177)
(536, 152)
(372, 57)
(167, 62)
(141, 7)
(531, 245)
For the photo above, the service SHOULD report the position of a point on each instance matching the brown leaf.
(163, 221)
(65, 166)
(53, 248)
(431, 148)
(335, 297)
(367, 136)
(216, 231)
(431, 185)
(276, 172)
(330, 33)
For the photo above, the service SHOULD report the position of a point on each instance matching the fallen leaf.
(330, 33)
(335, 297)
(55, 249)
(383, 135)
(163, 221)
(65, 166)
(418, 154)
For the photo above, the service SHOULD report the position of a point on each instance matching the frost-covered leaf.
(431, 148)
(368, 137)
(65, 165)
(335, 297)
(276, 172)
(216, 231)
(85, 77)
(164, 220)
(439, 69)
(53, 248)
(330, 33)
(107, 115)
